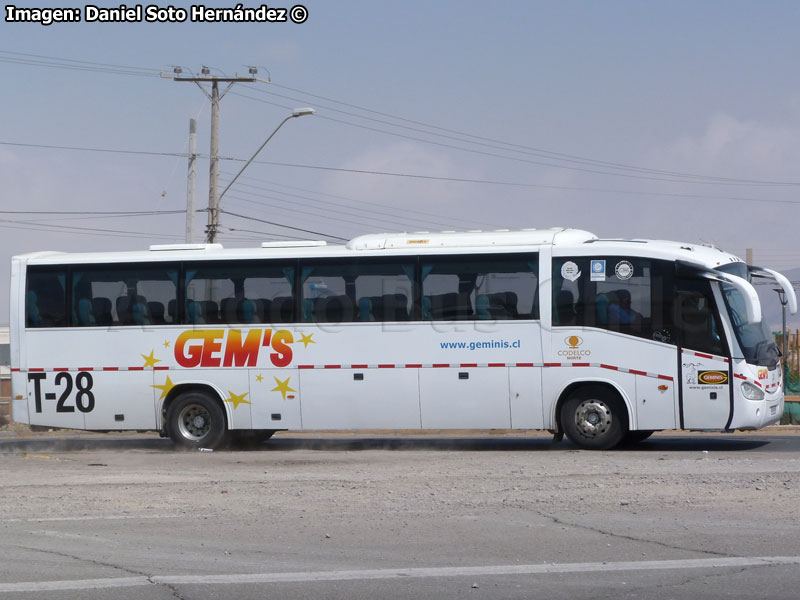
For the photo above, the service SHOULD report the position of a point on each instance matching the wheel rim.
(593, 418)
(194, 422)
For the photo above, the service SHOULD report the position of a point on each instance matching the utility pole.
(191, 182)
(213, 172)
(215, 96)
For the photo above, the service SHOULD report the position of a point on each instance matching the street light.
(297, 112)
(784, 341)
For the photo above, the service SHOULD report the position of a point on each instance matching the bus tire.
(594, 418)
(196, 420)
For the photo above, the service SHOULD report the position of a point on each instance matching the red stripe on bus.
(414, 366)
(757, 383)
(635, 372)
(739, 376)
(497, 364)
(581, 364)
(15, 369)
(135, 368)
(524, 364)
(386, 366)
(702, 355)
(110, 368)
(359, 366)
(612, 367)
(552, 364)
(440, 365)
(332, 366)
(60, 368)
(305, 366)
(466, 365)
(36, 370)
(160, 368)
(667, 377)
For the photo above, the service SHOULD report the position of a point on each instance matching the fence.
(791, 375)
(791, 362)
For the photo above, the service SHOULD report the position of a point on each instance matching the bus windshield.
(755, 339)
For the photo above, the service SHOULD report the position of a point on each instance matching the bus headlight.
(752, 392)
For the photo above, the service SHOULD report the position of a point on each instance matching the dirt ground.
(94, 507)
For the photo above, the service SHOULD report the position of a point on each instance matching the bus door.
(705, 374)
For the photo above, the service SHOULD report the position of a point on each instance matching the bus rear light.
(751, 392)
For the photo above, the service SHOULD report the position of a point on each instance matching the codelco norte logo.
(218, 348)
(574, 352)
(712, 377)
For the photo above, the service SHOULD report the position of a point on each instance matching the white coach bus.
(605, 341)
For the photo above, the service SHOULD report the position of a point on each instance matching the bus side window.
(114, 295)
(625, 294)
(45, 300)
(480, 288)
(346, 290)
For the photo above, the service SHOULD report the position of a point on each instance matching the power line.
(74, 65)
(506, 146)
(80, 230)
(296, 211)
(327, 235)
(518, 183)
(414, 175)
(88, 149)
(548, 153)
(71, 227)
(58, 62)
(355, 201)
(686, 178)
(267, 233)
(86, 62)
(330, 210)
(130, 213)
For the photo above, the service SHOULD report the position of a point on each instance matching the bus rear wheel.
(196, 420)
(594, 418)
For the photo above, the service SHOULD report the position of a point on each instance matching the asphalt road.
(396, 516)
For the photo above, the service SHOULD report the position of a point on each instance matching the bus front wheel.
(196, 420)
(594, 418)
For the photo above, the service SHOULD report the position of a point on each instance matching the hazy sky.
(676, 120)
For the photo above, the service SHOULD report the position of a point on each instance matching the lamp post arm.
(252, 158)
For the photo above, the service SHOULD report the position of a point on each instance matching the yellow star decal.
(165, 389)
(237, 399)
(306, 339)
(166, 344)
(150, 361)
(259, 378)
(282, 387)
